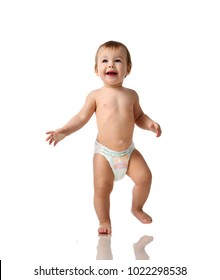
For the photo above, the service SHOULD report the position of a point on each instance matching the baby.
(117, 111)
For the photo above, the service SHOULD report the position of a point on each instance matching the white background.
(47, 54)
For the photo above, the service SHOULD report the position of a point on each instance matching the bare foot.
(142, 216)
(105, 228)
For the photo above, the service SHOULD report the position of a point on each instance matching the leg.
(103, 185)
(140, 173)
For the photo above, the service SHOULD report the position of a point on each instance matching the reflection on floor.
(139, 247)
(104, 251)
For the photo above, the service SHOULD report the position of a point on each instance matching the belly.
(115, 137)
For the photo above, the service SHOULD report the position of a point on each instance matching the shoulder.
(132, 93)
(91, 96)
(94, 93)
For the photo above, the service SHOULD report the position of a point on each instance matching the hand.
(55, 136)
(155, 127)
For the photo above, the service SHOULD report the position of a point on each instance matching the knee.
(103, 188)
(146, 179)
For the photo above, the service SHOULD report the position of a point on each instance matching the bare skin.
(117, 111)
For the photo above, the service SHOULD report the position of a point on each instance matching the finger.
(51, 140)
(48, 138)
(159, 132)
(50, 132)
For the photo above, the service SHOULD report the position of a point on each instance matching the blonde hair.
(113, 45)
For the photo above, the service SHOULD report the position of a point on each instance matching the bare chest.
(115, 103)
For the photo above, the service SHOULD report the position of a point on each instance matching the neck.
(113, 86)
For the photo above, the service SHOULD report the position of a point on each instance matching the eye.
(118, 60)
(104, 60)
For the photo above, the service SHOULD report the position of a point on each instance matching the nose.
(111, 65)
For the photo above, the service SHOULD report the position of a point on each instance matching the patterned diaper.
(118, 160)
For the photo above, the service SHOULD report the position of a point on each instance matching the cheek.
(101, 70)
(98, 71)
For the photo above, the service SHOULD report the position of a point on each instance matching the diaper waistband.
(99, 148)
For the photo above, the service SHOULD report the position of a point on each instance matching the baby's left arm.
(143, 121)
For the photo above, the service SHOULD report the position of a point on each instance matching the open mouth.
(111, 73)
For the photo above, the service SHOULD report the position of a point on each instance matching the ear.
(96, 71)
(128, 70)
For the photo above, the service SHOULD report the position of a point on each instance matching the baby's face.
(112, 65)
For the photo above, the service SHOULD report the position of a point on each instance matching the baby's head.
(114, 45)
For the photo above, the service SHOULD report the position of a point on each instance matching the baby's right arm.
(77, 122)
